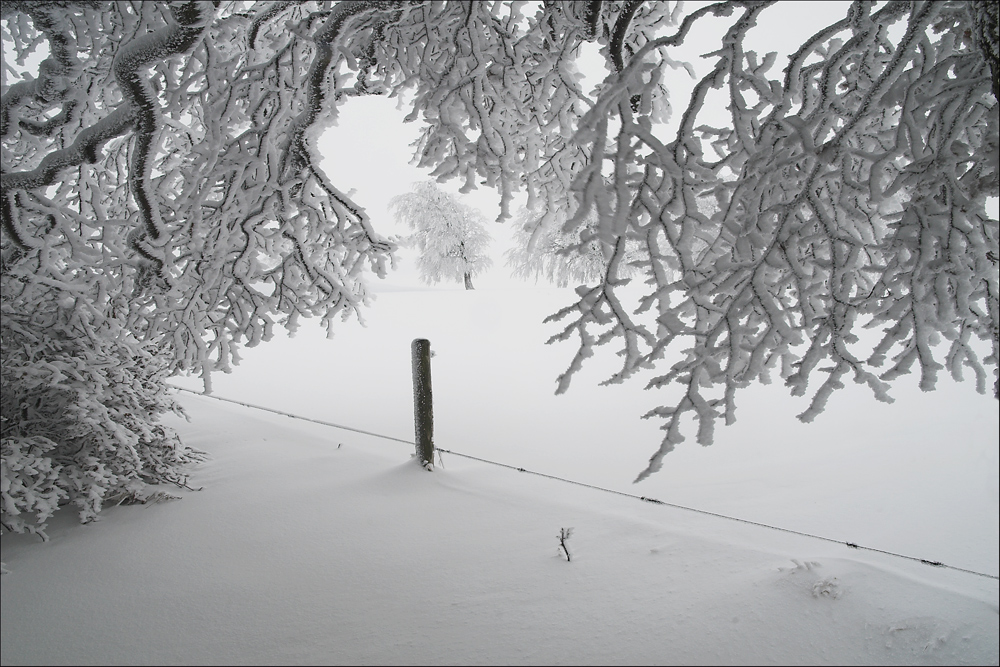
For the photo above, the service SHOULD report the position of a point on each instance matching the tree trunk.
(984, 22)
(468, 281)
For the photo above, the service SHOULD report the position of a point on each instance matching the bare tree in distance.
(161, 186)
(544, 249)
(450, 235)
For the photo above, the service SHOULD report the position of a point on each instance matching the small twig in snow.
(564, 534)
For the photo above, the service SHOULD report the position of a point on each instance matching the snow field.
(312, 545)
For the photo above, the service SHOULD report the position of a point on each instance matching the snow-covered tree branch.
(850, 193)
(161, 185)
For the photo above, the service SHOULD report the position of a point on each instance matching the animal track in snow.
(826, 587)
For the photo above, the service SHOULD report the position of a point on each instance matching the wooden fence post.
(423, 409)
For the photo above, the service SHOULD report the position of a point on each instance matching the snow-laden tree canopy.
(451, 236)
(160, 177)
(548, 251)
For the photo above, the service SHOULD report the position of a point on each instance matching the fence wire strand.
(288, 414)
(646, 499)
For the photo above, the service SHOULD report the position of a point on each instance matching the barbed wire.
(288, 414)
(647, 499)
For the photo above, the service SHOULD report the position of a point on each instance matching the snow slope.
(313, 545)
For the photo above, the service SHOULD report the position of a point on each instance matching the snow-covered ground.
(313, 545)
